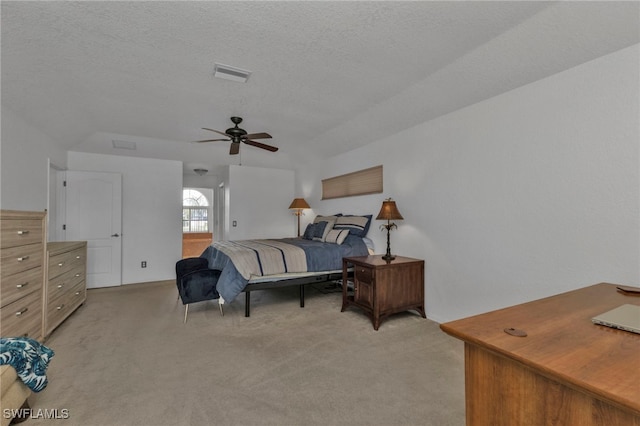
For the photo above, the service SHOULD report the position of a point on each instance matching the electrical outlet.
(143, 264)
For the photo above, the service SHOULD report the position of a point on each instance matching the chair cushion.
(199, 285)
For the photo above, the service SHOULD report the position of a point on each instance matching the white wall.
(529, 194)
(151, 212)
(24, 171)
(195, 181)
(258, 201)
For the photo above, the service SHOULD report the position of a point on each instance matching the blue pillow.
(315, 231)
(318, 231)
(309, 231)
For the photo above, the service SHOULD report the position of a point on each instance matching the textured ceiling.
(327, 76)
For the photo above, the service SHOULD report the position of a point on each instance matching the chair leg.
(186, 311)
(221, 309)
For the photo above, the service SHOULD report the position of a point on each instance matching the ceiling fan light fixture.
(228, 72)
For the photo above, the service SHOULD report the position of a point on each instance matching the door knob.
(115, 235)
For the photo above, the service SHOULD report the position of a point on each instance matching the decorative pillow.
(337, 236)
(319, 230)
(308, 232)
(330, 221)
(357, 225)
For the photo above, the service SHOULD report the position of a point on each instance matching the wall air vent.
(124, 144)
(231, 73)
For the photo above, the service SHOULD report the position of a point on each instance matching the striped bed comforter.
(263, 257)
(240, 261)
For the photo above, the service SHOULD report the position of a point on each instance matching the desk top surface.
(563, 344)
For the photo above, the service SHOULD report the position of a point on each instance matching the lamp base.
(388, 257)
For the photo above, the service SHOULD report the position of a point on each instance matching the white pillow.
(337, 236)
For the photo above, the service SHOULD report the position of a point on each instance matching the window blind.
(367, 181)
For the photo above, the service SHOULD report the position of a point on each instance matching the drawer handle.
(25, 232)
(22, 285)
(77, 293)
(77, 275)
(21, 311)
(60, 285)
(60, 307)
(60, 264)
(20, 259)
(78, 257)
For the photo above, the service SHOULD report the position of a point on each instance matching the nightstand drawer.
(363, 274)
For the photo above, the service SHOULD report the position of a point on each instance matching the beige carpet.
(126, 358)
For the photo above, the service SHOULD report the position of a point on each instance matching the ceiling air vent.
(231, 73)
(123, 144)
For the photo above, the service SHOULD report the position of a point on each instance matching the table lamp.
(389, 211)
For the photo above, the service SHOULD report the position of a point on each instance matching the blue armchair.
(196, 282)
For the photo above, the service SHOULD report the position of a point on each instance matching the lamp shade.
(299, 203)
(389, 211)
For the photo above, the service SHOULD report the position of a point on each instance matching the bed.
(249, 265)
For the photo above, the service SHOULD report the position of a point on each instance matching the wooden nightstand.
(382, 288)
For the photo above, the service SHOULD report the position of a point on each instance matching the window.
(195, 211)
(367, 181)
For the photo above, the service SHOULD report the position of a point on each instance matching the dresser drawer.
(22, 317)
(19, 259)
(61, 307)
(18, 232)
(65, 282)
(19, 285)
(67, 261)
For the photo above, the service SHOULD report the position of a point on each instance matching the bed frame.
(301, 282)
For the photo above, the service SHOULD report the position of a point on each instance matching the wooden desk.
(566, 371)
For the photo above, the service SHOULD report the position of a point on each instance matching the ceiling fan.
(237, 135)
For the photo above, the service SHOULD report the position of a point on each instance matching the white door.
(94, 214)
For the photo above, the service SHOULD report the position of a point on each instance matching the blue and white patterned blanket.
(30, 359)
(319, 256)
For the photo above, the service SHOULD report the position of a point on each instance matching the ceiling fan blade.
(217, 131)
(211, 140)
(235, 148)
(258, 136)
(261, 145)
